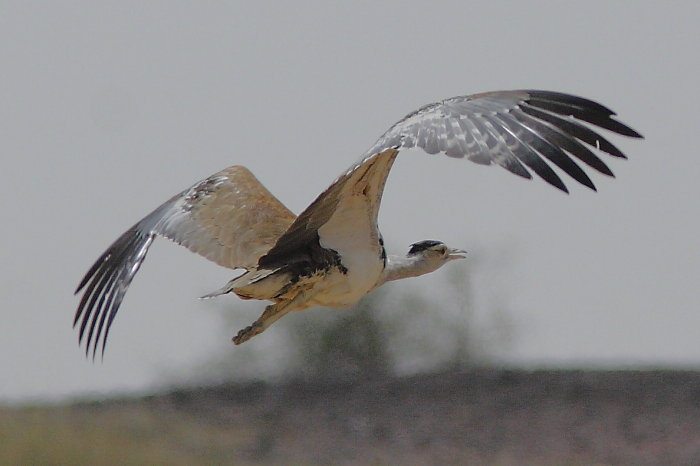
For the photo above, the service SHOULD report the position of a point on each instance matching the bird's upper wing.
(229, 218)
(513, 129)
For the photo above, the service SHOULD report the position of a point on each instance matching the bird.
(332, 254)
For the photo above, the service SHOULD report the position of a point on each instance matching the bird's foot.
(248, 333)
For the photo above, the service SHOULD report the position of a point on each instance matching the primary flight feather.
(332, 254)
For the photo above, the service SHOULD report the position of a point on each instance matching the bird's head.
(433, 254)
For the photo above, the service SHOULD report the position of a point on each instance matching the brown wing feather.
(229, 218)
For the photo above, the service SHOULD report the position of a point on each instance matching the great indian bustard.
(333, 254)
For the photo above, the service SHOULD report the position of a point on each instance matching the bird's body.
(333, 254)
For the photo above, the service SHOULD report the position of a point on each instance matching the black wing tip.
(581, 108)
(629, 132)
(575, 130)
(91, 348)
(604, 169)
(618, 127)
(97, 265)
(565, 190)
(569, 99)
(562, 140)
(587, 182)
(91, 355)
(555, 181)
(104, 285)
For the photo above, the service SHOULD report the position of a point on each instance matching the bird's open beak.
(457, 253)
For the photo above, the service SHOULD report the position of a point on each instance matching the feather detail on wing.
(518, 130)
(230, 218)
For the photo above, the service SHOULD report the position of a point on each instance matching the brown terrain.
(489, 417)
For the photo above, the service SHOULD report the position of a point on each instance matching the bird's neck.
(398, 267)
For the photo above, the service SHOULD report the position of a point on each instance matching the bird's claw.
(248, 333)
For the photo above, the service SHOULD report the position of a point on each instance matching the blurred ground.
(489, 417)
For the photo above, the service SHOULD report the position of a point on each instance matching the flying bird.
(333, 253)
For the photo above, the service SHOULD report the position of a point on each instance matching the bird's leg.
(272, 314)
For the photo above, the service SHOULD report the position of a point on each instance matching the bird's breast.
(343, 289)
(352, 233)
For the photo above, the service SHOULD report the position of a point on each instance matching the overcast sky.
(108, 110)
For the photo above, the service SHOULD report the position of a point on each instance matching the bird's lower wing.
(230, 218)
(302, 241)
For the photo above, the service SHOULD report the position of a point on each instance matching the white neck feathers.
(398, 267)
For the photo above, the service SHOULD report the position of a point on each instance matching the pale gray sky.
(107, 110)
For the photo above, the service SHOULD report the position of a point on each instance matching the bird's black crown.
(422, 246)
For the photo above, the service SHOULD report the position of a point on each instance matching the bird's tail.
(245, 286)
(227, 288)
